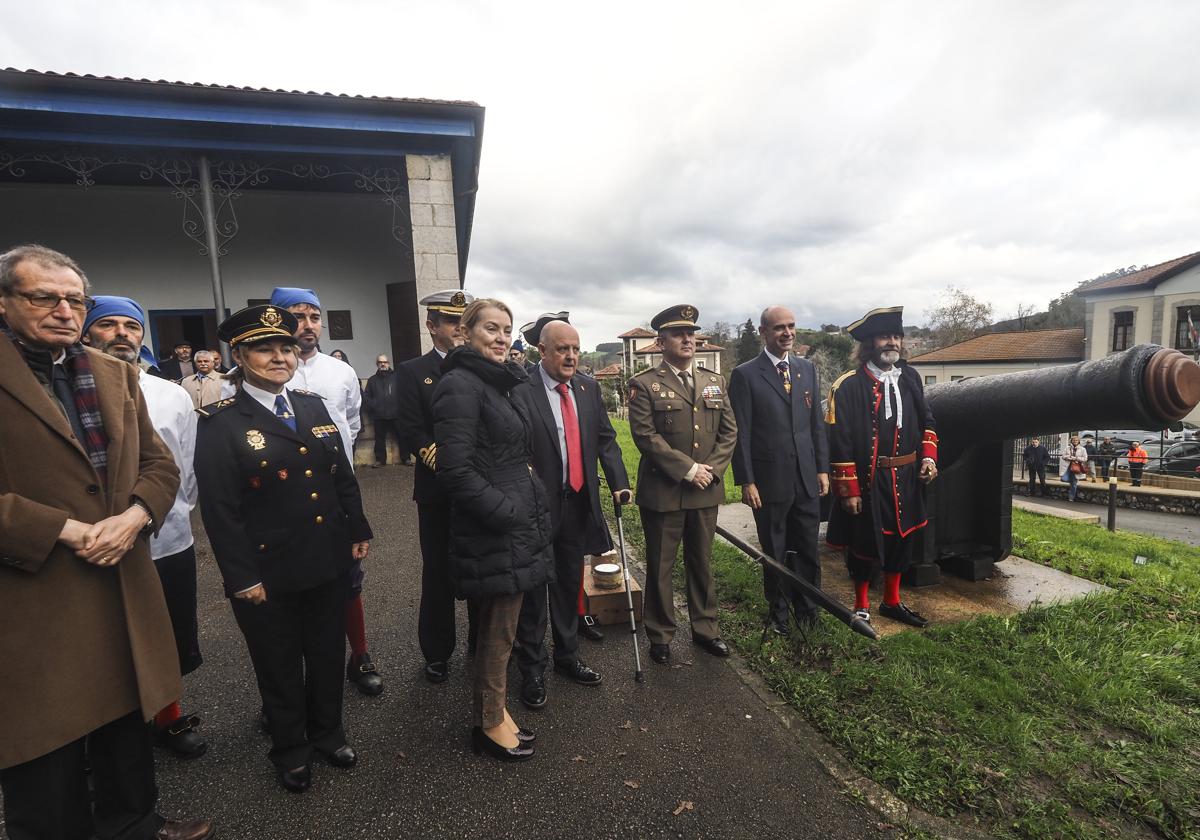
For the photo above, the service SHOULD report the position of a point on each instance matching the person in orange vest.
(1137, 462)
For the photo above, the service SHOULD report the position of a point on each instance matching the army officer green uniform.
(684, 427)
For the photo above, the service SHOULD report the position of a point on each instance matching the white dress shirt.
(556, 409)
(174, 418)
(338, 384)
(267, 398)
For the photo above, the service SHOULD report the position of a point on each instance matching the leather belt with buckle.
(886, 463)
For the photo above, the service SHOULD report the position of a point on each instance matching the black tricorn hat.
(258, 323)
(679, 315)
(889, 321)
(533, 332)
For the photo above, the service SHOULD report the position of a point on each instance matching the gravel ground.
(614, 761)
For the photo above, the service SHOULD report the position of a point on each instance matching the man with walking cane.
(571, 432)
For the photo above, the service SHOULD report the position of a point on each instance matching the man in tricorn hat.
(882, 448)
(416, 379)
(684, 426)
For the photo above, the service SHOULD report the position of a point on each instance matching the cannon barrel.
(970, 504)
(1145, 387)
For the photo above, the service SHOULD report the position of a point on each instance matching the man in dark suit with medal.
(682, 423)
(571, 432)
(283, 512)
(782, 460)
(416, 379)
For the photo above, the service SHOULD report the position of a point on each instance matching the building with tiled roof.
(640, 350)
(612, 371)
(994, 353)
(197, 199)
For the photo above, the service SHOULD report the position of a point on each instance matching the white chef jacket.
(337, 382)
(174, 418)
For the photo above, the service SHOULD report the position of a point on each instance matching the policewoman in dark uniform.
(284, 515)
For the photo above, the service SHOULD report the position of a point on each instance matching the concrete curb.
(879, 799)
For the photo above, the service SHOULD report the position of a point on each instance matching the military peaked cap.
(448, 301)
(679, 315)
(257, 323)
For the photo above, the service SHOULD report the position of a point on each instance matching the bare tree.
(957, 317)
(1024, 312)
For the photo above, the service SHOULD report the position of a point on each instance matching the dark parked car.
(1177, 459)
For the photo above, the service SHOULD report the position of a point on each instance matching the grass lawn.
(1080, 720)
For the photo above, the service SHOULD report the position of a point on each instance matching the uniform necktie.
(785, 374)
(571, 432)
(281, 411)
(686, 379)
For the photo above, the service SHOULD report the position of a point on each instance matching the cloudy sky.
(831, 156)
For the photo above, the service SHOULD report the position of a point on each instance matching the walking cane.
(638, 675)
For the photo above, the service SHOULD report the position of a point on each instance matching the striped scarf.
(83, 387)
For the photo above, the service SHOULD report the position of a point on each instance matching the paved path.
(1172, 526)
(695, 734)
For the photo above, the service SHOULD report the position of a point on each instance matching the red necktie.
(571, 431)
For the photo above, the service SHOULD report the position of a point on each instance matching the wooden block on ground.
(609, 605)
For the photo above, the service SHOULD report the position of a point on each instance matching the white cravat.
(891, 384)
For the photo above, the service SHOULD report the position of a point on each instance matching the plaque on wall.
(341, 328)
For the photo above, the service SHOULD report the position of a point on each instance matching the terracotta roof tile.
(1031, 346)
(1151, 276)
(611, 372)
(637, 332)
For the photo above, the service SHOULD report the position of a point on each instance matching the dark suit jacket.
(169, 368)
(599, 443)
(281, 508)
(415, 381)
(780, 436)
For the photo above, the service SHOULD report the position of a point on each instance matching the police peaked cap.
(258, 323)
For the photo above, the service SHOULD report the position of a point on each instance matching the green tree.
(747, 342)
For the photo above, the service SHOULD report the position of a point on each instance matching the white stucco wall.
(1099, 343)
(130, 241)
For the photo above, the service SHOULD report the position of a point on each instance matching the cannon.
(970, 504)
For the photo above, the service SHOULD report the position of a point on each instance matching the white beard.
(889, 357)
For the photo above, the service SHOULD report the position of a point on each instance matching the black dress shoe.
(526, 736)
(436, 672)
(533, 692)
(184, 830)
(297, 780)
(344, 757)
(716, 647)
(900, 612)
(779, 626)
(589, 629)
(181, 738)
(579, 672)
(362, 672)
(481, 743)
(660, 653)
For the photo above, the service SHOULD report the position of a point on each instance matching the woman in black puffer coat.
(500, 524)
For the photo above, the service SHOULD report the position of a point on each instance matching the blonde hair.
(474, 311)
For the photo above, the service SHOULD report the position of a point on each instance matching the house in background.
(994, 353)
(640, 350)
(1151, 306)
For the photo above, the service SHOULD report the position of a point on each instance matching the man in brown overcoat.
(85, 641)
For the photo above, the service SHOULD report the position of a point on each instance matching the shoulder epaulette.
(831, 403)
(837, 382)
(215, 408)
(305, 393)
(644, 373)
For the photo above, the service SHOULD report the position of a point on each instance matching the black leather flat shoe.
(579, 672)
(526, 736)
(660, 653)
(716, 647)
(297, 780)
(182, 739)
(589, 629)
(482, 744)
(363, 673)
(436, 672)
(533, 693)
(344, 757)
(900, 612)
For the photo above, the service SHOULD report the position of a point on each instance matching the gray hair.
(200, 353)
(40, 254)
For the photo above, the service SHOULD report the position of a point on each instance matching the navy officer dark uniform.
(416, 380)
(684, 426)
(283, 512)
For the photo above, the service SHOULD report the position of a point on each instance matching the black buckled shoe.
(526, 736)
(579, 672)
(296, 780)
(900, 612)
(715, 647)
(436, 672)
(533, 693)
(362, 672)
(589, 629)
(481, 743)
(181, 738)
(344, 757)
(660, 653)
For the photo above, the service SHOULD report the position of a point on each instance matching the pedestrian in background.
(1107, 456)
(1076, 458)
(1036, 456)
(381, 399)
(205, 385)
(1138, 457)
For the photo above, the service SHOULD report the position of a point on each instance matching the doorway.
(169, 327)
